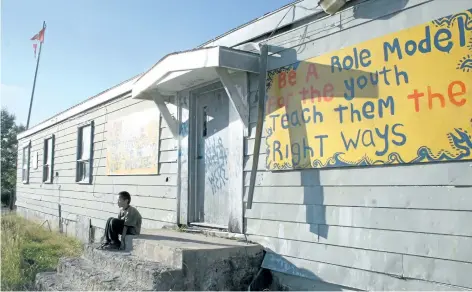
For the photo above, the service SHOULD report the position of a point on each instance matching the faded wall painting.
(133, 144)
(398, 99)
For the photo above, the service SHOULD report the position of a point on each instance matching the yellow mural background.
(133, 144)
(427, 129)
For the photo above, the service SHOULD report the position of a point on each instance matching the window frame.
(50, 178)
(78, 160)
(25, 146)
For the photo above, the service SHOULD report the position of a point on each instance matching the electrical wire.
(293, 6)
(277, 26)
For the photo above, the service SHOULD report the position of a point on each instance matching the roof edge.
(250, 22)
(93, 101)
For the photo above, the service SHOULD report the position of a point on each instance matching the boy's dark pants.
(113, 229)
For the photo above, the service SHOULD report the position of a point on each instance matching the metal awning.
(182, 70)
(179, 71)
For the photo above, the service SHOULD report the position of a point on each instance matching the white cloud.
(16, 100)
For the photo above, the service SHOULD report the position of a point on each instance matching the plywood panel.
(133, 143)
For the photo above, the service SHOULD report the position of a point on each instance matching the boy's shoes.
(111, 247)
(108, 246)
(102, 245)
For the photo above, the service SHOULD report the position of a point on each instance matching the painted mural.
(398, 99)
(133, 144)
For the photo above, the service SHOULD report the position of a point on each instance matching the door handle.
(200, 157)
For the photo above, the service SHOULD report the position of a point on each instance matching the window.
(25, 163)
(84, 154)
(48, 159)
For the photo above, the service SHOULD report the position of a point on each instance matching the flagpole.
(34, 81)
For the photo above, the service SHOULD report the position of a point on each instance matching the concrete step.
(81, 274)
(127, 266)
(160, 260)
(153, 250)
(50, 281)
(208, 263)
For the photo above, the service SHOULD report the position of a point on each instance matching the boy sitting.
(128, 222)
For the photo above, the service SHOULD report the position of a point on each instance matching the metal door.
(212, 181)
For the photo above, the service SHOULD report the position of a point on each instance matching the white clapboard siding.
(438, 270)
(429, 221)
(347, 276)
(97, 191)
(388, 263)
(153, 195)
(401, 242)
(408, 197)
(427, 174)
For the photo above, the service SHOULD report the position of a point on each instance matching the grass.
(28, 249)
(182, 228)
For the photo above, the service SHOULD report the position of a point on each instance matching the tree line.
(9, 156)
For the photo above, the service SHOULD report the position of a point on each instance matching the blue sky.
(92, 45)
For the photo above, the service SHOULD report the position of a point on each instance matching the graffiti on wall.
(398, 99)
(133, 144)
(216, 163)
(183, 129)
(183, 132)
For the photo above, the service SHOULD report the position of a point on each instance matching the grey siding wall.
(372, 228)
(154, 195)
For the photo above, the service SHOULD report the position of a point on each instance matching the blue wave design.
(448, 21)
(460, 140)
(465, 64)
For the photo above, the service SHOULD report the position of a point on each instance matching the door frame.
(235, 161)
(192, 147)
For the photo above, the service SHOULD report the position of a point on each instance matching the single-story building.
(354, 172)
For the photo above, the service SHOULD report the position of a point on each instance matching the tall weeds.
(28, 249)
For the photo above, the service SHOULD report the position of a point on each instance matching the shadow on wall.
(301, 109)
(305, 279)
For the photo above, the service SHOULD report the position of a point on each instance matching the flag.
(35, 45)
(39, 36)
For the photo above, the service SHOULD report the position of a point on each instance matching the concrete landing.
(190, 240)
(160, 260)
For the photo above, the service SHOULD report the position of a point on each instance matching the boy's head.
(124, 199)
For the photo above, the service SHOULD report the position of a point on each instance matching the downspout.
(260, 121)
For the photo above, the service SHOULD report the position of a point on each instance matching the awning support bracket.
(172, 123)
(260, 122)
(237, 99)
